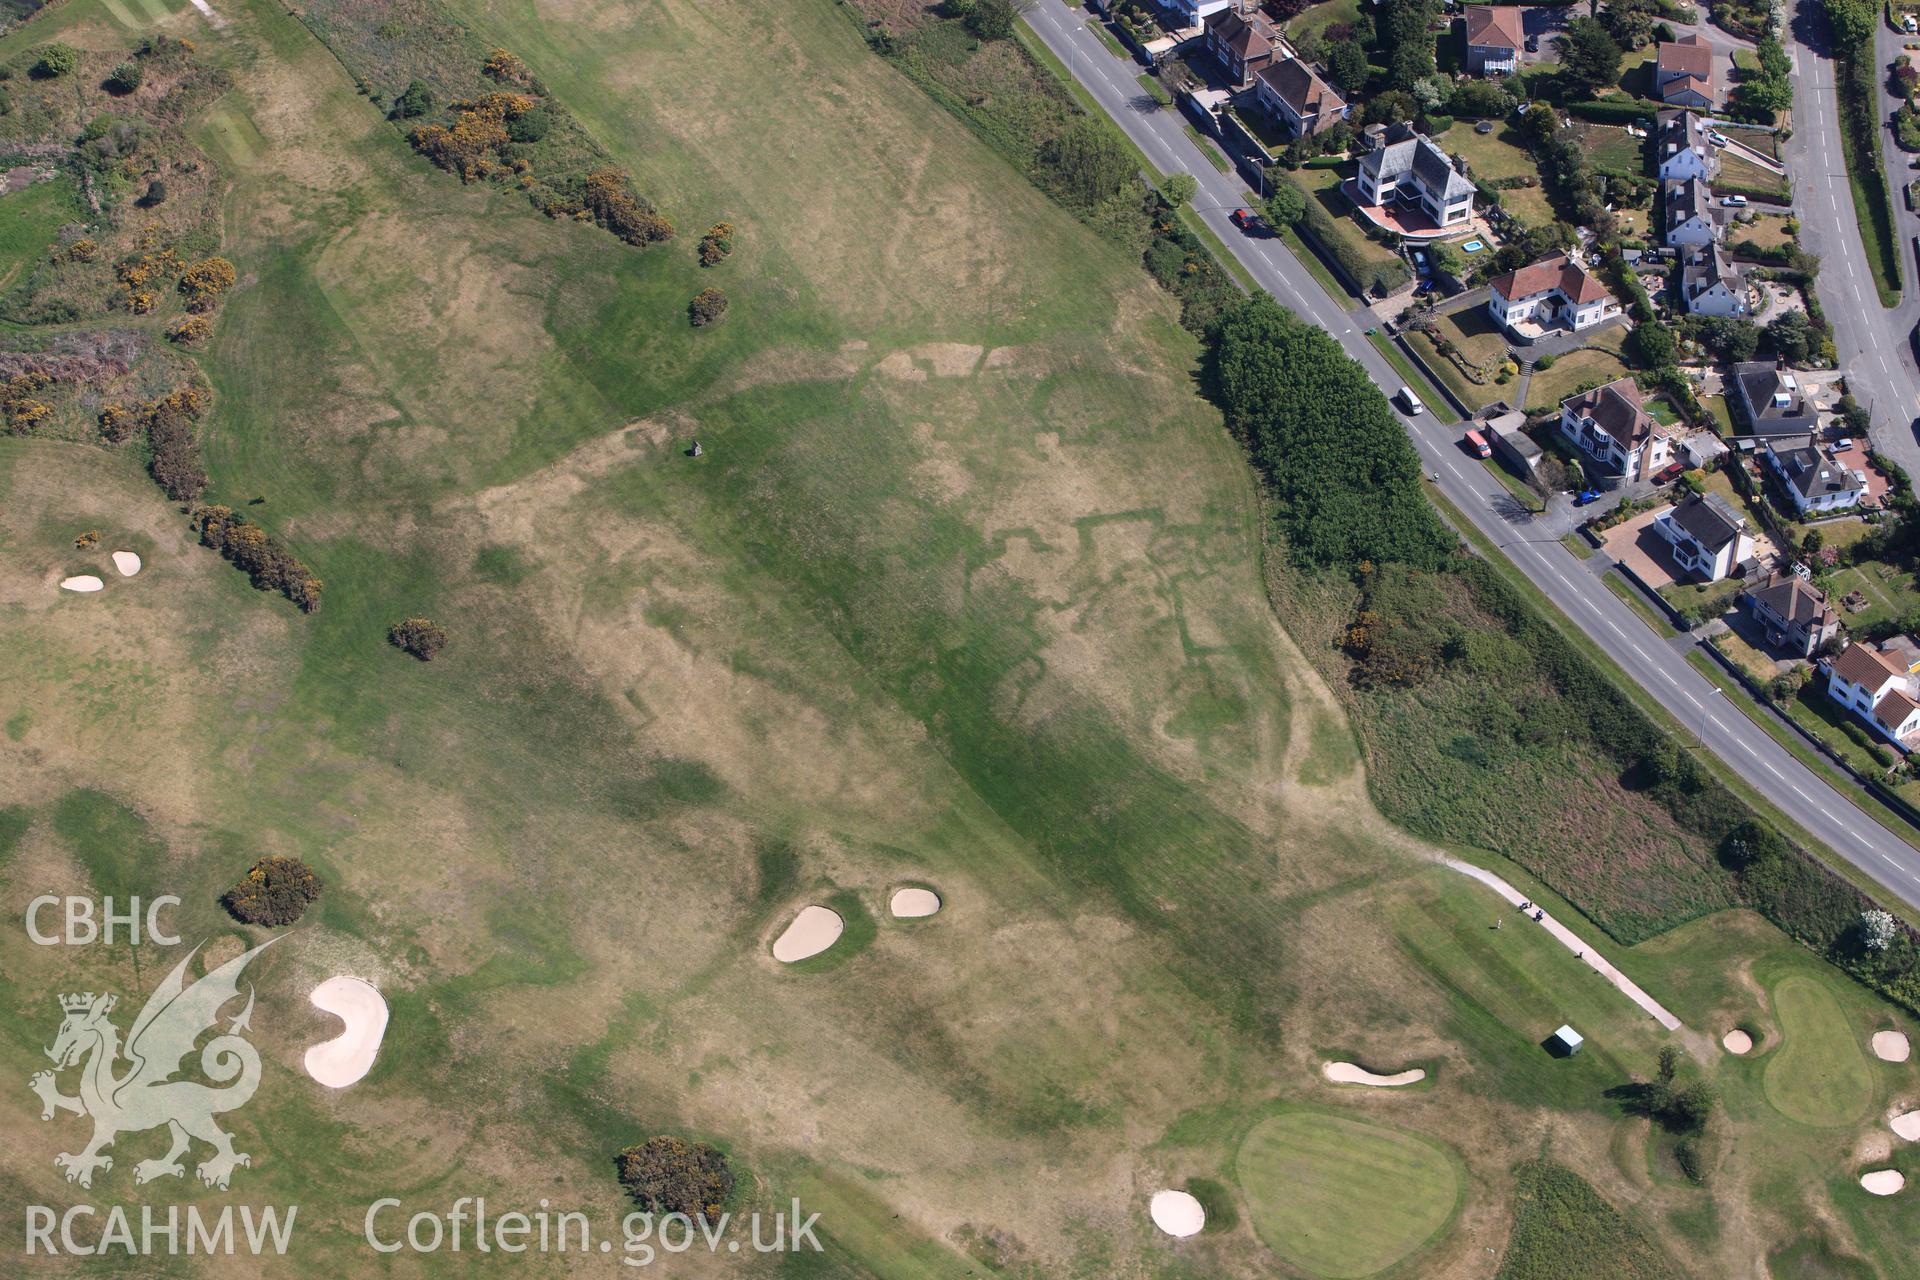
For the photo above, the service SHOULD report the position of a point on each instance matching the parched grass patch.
(1738, 172)
(1819, 1076)
(1501, 154)
(1612, 148)
(1343, 1198)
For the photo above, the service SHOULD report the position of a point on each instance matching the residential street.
(1798, 791)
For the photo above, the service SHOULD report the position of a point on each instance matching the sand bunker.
(127, 562)
(1737, 1041)
(347, 1057)
(81, 582)
(1179, 1214)
(1891, 1046)
(1906, 1126)
(812, 931)
(1347, 1073)
(914, 904)
(1883, 1182)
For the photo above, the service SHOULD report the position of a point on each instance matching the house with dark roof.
(1814, 480)
(1793, 613)
(1554, 293)
(1407, 166)
(1690, 216)
(1297, 98)
(1772, 400)
(1242, 40)
(1610, 426)
(1680, 143)
(1683, 73)
(1709, 539)
(1495, 35)
(1875, 684)
(1712, 286)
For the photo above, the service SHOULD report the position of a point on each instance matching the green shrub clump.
(672, 1175)
(422, 637)
(276, 892)
(707, 307)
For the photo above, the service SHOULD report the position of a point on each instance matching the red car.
(1244, 219)
(1669, 473)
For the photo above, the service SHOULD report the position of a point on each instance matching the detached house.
(1813, 478)
(1609, 425)
(1709, 538)
(1772, 400)
(1876, 684)
(1683, 73)
(1191, 13)
(1794, 614)
(1680, 142)
(1242, 41)
(1557, 293)
(1409, 167)
(1690, 216)
(1298, 98)
(1495, 35)
(1712, 285)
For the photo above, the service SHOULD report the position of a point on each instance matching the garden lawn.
(1889, 589)
(1342, 1198)
(1738, 172)
(1819, 1075)
(1319, 17)
(1612, 148)
(1501, 154)
(28, 220)
(1767, 230)
(1586, 367)
(1323, 186)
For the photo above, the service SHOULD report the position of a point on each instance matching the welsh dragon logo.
(144, 1095)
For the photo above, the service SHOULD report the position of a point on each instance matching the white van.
(1411, 402)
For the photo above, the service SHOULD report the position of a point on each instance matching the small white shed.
(1567, 1041)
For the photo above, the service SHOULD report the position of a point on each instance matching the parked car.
(1734, 202)
(1669, 473)
(1718, 139)
(1585, 496)
(1843, 444)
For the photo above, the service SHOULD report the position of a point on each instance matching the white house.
(1683, 73)
(1609, 425)
(1690, 215)
(1709, 538)
(1876, 684)
(1680, 142)
(1408, 166)
(1712, 285)
(1814, 480)
(1556, 292)
(1191, 13)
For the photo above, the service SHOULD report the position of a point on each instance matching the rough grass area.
(1737, 173)
(1502, 154)
(1564, 1230)
(1589, 366)
(1819, 1074)
(1340, 1197)
(1323, 187)
(29, 219)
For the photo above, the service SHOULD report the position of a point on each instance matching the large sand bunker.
(1347, 1073)
(81, 582)
(1906, 1126)
(914, 904)
(1177, 1213)
(1891, 1046)
(1737, 1041)
(1883, 1182)
(127, 562)
(812, 931)
(347, 1057)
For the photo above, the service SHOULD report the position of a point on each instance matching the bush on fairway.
(672, 1175)
(1818, 1076)
(422, 637)
(1343, 1198)
(277, 891)
(707, 307)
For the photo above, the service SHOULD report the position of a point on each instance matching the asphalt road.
(1743, 746)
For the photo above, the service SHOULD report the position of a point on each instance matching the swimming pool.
(1473, 246)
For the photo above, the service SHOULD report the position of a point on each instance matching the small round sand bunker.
(127, 562)
(1891, 1046)
(812, 931)
(1348, 1073)
(1737, 1041)
(81, 582)
(1177, 1213)
(347, 1057)
(1906, 1126)
(914, 903)
(1883, 1182)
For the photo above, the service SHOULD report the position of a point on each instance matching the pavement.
(1805, 796)
(1568, 939)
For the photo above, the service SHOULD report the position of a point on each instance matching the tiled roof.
(1708, 520)
(1494, 26)
(1862, 664)
(1615, 409)
(1296, 85)
(1794, 600)
(1558, 272)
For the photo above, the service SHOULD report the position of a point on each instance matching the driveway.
(1634, 544)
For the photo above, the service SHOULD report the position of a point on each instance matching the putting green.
(1818, 1076)
(1341, 1198)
